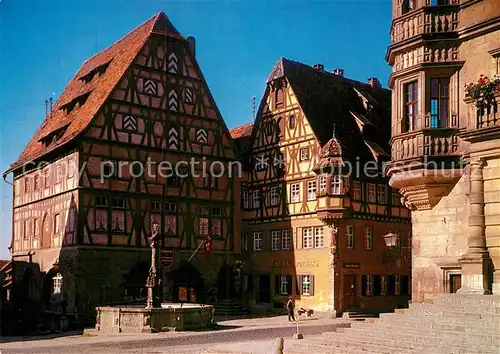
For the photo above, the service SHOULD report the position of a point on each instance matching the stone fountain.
(156, 316)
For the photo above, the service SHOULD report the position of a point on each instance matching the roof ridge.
(155, 17)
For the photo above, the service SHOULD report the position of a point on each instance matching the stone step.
(431, 327)
(418, 321)
(397, 345)
(462, 299)
(461, 308)
(424, 336)
(342, 345)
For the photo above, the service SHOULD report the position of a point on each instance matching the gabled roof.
(327, 99)
(90, 87)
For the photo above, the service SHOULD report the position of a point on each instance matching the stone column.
(333, 258)
(476, 260)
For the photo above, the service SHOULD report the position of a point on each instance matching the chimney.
(339, 72)
(373, 82)
(319, 67)
(192, 45)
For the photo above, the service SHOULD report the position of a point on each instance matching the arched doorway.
(226, 288)
(188, 285)
(135, 282)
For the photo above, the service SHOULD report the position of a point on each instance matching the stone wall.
(439, 239)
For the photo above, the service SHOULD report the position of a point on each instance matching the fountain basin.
(137, 319)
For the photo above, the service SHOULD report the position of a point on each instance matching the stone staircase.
(359, 314)
(229, 307)
(453, 324)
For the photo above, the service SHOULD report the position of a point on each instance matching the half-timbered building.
(135, 138)
(313, 229)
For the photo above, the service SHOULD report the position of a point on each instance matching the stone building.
(446, 143)
(313, 228)
(83, 200)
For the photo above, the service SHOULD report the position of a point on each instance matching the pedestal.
(475, 274)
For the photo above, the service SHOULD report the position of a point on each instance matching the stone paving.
(247, 335)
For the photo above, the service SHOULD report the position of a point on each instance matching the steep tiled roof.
(241, 131)
(329, 99)
(89, 89)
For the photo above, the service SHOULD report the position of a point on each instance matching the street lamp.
(391, 239)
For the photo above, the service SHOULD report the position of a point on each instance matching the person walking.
(289, 309)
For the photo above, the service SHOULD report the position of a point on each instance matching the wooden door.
(265, 288)
(350, 298)
(455, 282)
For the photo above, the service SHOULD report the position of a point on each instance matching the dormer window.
(99, 70)
(75, 102)
(53, 137)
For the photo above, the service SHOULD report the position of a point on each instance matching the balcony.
(484, 120)
(425, 165)
(439, 142)
(429, 20)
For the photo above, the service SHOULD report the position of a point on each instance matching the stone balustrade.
(428, 142)
(487, 115)
(427, 20)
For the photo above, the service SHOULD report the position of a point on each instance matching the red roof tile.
(242, 131)
(119, 56)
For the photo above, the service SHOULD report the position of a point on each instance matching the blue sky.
(43, 43)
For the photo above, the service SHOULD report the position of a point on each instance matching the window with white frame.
(57, 284)
(349, 236)
(372, 196)
(258, 243)
(322, 183)
(275, 240)
(283, 285)
(274, 197)
(368, 238)
(369, 285)
(36, 228)
(307, 237)
(244, 241)
(256, 198)
(398, 238)
(397, 285)
(398, 263)
(318, 237)
(336, 184)
(58, 173)
(382, 194)
(304, 154)
(71, 168)
(244, 199)
(383, 285)
(306, 285)
(295, 193)
(311, 190)
(356, 190)
(286, 239)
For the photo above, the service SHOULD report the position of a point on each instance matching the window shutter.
(404, 285)
(277, 285)
(390, 285)
(311, 286)
(377, 285)
(289, 285)
(363, 285)
(299, 285)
